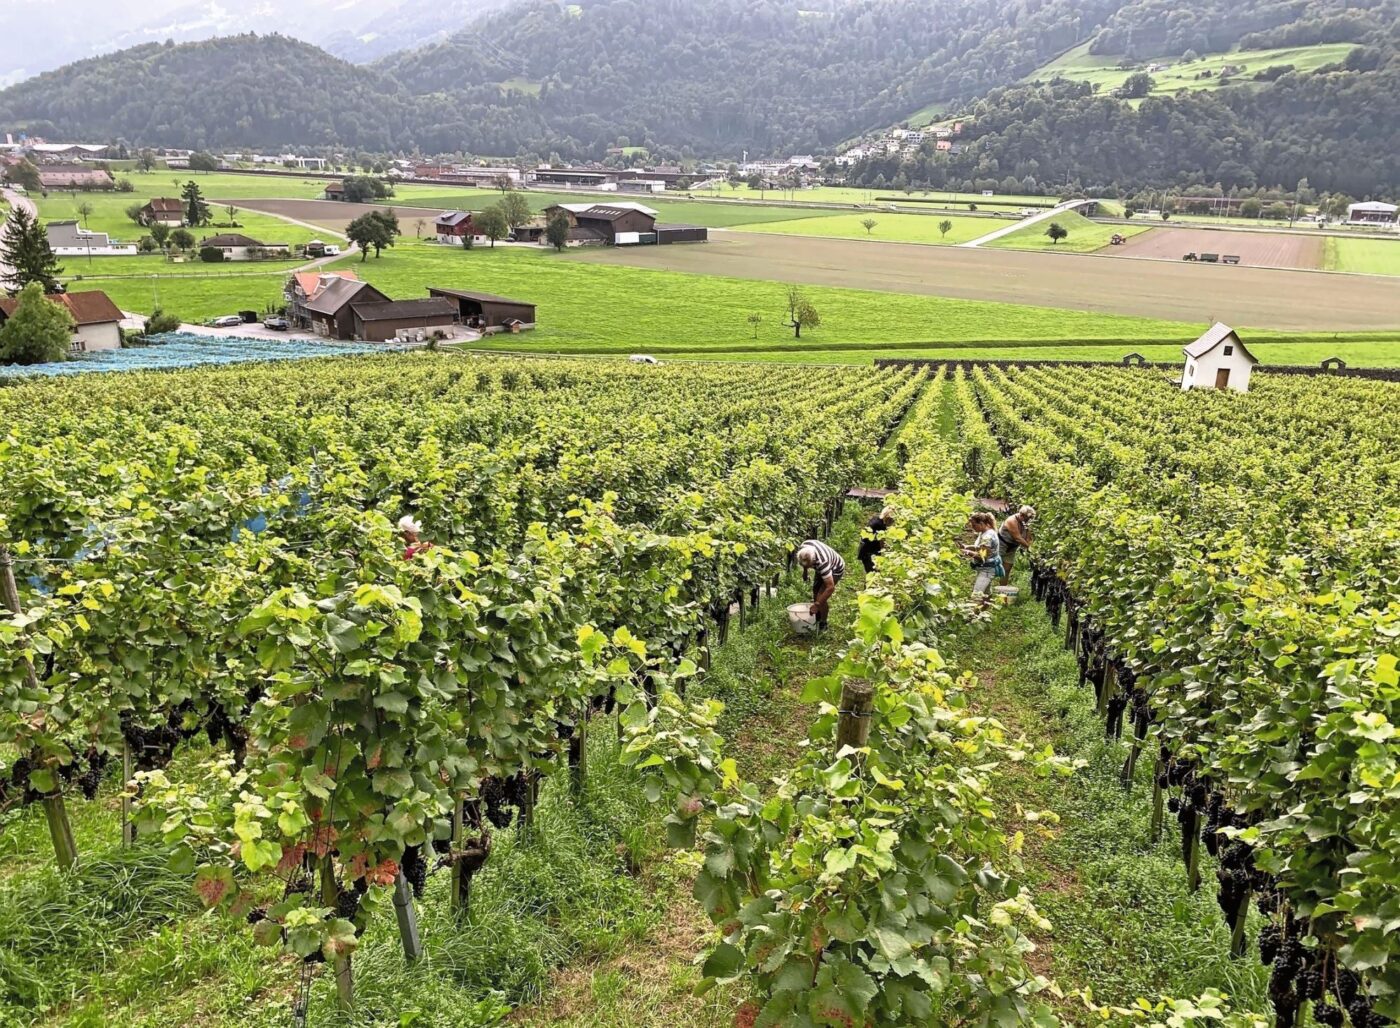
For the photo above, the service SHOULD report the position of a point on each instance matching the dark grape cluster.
(347, 901)
(152, 746)
(91, 777)
(415, 869)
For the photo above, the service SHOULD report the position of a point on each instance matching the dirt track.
(1255, 249)
(1179, 291)
(334, 215)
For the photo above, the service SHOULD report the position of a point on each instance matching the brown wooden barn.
(486, 312)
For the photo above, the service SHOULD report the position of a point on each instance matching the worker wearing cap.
(1015, 534)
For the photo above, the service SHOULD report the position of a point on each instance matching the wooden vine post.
(857, 702)
(60, 828)
(1157, 802)
(408, 919)
(1239, 942)
(128, 825)
(578, 756)
(344, 983)
(1193, 849)
(460, 884)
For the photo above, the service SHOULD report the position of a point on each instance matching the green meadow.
(1102, 71)
(889, 228)
(1363, 256)
(1085, 236)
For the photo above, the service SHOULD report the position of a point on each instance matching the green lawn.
(587, 307)
(1361, 354)
(109, 215)
(1102, 70)
(693, 212)
(1365, 256)
(890, 228)
(1085, 236)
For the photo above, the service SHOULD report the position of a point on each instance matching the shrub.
(211, 255)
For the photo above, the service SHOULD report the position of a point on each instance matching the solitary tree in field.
(418, 227)
(182, 239)
(133, 211)
(557, 230)
(24, 247)
(516, 209)
(196, 207)
(160, 232)
(1056, 232)
(232, 213)
(504, 183)
(84, 211)
(801, 312)
(376, 229)
(944, 227)
(492, 223)
(38, 331)
(755, 320)
(869, 225)
(146, 159)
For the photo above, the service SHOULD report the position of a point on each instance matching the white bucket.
(1009, 591)
(803, 621)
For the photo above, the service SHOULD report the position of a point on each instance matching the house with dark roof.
(613, 223)
(486, 312)
(163, 210)
(1218, 360)
(328, 313)
(237, 247)
(455, 226)
(403, 320)
(334, 190)
(96, 319)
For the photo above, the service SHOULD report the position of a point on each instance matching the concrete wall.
(106, 336)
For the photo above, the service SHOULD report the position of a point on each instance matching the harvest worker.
(872, 540)
(985, 553)
(827, 569)
(1015, 534)
(412, 530)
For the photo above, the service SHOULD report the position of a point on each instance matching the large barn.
(486, 312)
(614, 223)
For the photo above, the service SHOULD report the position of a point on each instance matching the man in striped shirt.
(827, 569)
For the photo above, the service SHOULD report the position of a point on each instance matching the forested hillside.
(708, 75)
(1160, 28)
(713, 77)
(1337, 130)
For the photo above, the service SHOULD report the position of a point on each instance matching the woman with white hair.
(1015, 534)
(872, 540)
(412, 531)
(828, 568)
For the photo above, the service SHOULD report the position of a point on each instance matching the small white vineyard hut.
(1218, 360)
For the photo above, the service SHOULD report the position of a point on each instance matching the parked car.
(332, 250)
(226, 321)
(276, 323)
(642, 358)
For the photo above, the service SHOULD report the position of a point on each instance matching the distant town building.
(163, 210)
(74, 176)
(237, 247)
(1372, 212)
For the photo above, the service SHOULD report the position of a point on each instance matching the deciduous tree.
(39, 330)
(944, 227)
(516, 208)
(557, 230)
(869, 225)
(1056, 232)
(492, 223)
(802, 312)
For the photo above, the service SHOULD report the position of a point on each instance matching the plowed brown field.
(1254, 249)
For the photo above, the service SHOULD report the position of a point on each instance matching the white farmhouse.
(1218, 360)
(96, 319)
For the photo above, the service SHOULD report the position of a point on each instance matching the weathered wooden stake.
(857, 703)
(55, 812)
(408, 918)
(128, 826)
(1239, 942)
(344, 982)
(1193, 860)
(1157, 802)
(1109, 677)
(578, 757)
(459, 883)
